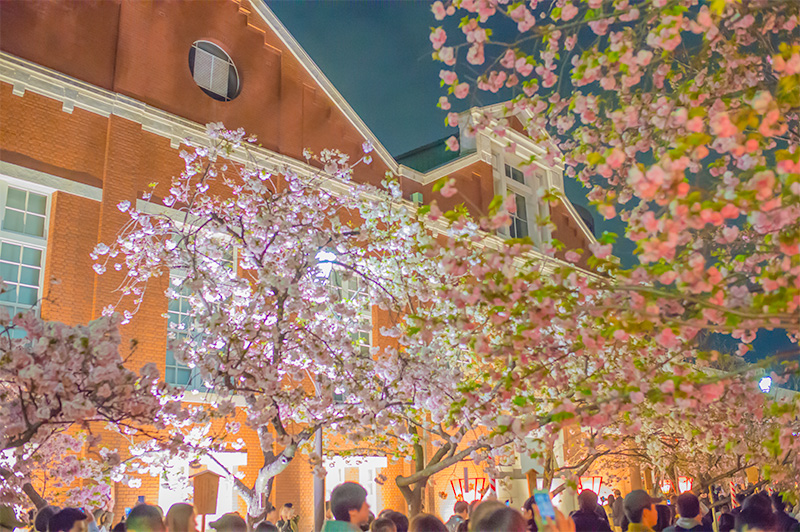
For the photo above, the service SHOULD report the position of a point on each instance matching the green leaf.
(594, 158)
(608, 237)
(439, 185)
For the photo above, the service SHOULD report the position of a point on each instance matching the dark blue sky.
(378, 56)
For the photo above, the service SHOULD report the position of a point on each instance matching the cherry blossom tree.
(61, 387)
(682, 118)
(282, 268)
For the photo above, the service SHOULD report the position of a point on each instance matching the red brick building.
(95, 99)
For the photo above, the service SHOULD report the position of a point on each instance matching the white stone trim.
(47, 183)
(440, 171)
(577, 217)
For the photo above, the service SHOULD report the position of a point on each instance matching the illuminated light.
(324, 260)
(590, 483)
(765, 384)
(666, 486)
(685, 484)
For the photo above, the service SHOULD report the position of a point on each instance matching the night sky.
(378, 56)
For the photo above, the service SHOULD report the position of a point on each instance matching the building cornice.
(25, 76)
(49, 183)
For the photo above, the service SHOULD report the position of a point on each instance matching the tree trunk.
(255, 498)
(29, 490)
(253, 520)
(413, 497)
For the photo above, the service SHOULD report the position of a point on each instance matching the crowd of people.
(349, 511)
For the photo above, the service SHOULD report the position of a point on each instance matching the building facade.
(96, 98)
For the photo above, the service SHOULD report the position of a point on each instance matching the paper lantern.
(685, 484)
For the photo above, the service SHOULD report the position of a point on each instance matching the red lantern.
(468, 493)
(590, 483)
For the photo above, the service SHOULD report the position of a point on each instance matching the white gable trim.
(288, 39)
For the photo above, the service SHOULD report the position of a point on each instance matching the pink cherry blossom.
(523, 67)
(452, 143)
(568, 12)
(438, 38)
(448, 77)
(438, 10)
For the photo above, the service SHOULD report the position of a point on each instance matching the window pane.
(203, 68)
(37, 203)
(522, 208)
(34, 225)
(183, 376)
(32, 257)
(219, 77)
(517, 175)
(522, 229)
(9, 272)
(16, 199)
(169, 375)
(170, 357)
(28, 296)
(508, 171)
(9, 252)
(29, 276)
(14, 221)
(10, 294)
(174, 305)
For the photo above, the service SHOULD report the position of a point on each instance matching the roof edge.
(325, 84)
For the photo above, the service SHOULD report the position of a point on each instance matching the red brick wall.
(76, 38)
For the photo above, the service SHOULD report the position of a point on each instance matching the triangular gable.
(288, 40)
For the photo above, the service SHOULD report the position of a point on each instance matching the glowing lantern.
(590, 483)
(685, 484)
(666, 486)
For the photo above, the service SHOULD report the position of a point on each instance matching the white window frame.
(536, 208)
(346, 292)
(333, 278)
(176, 278)
(22, 239)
